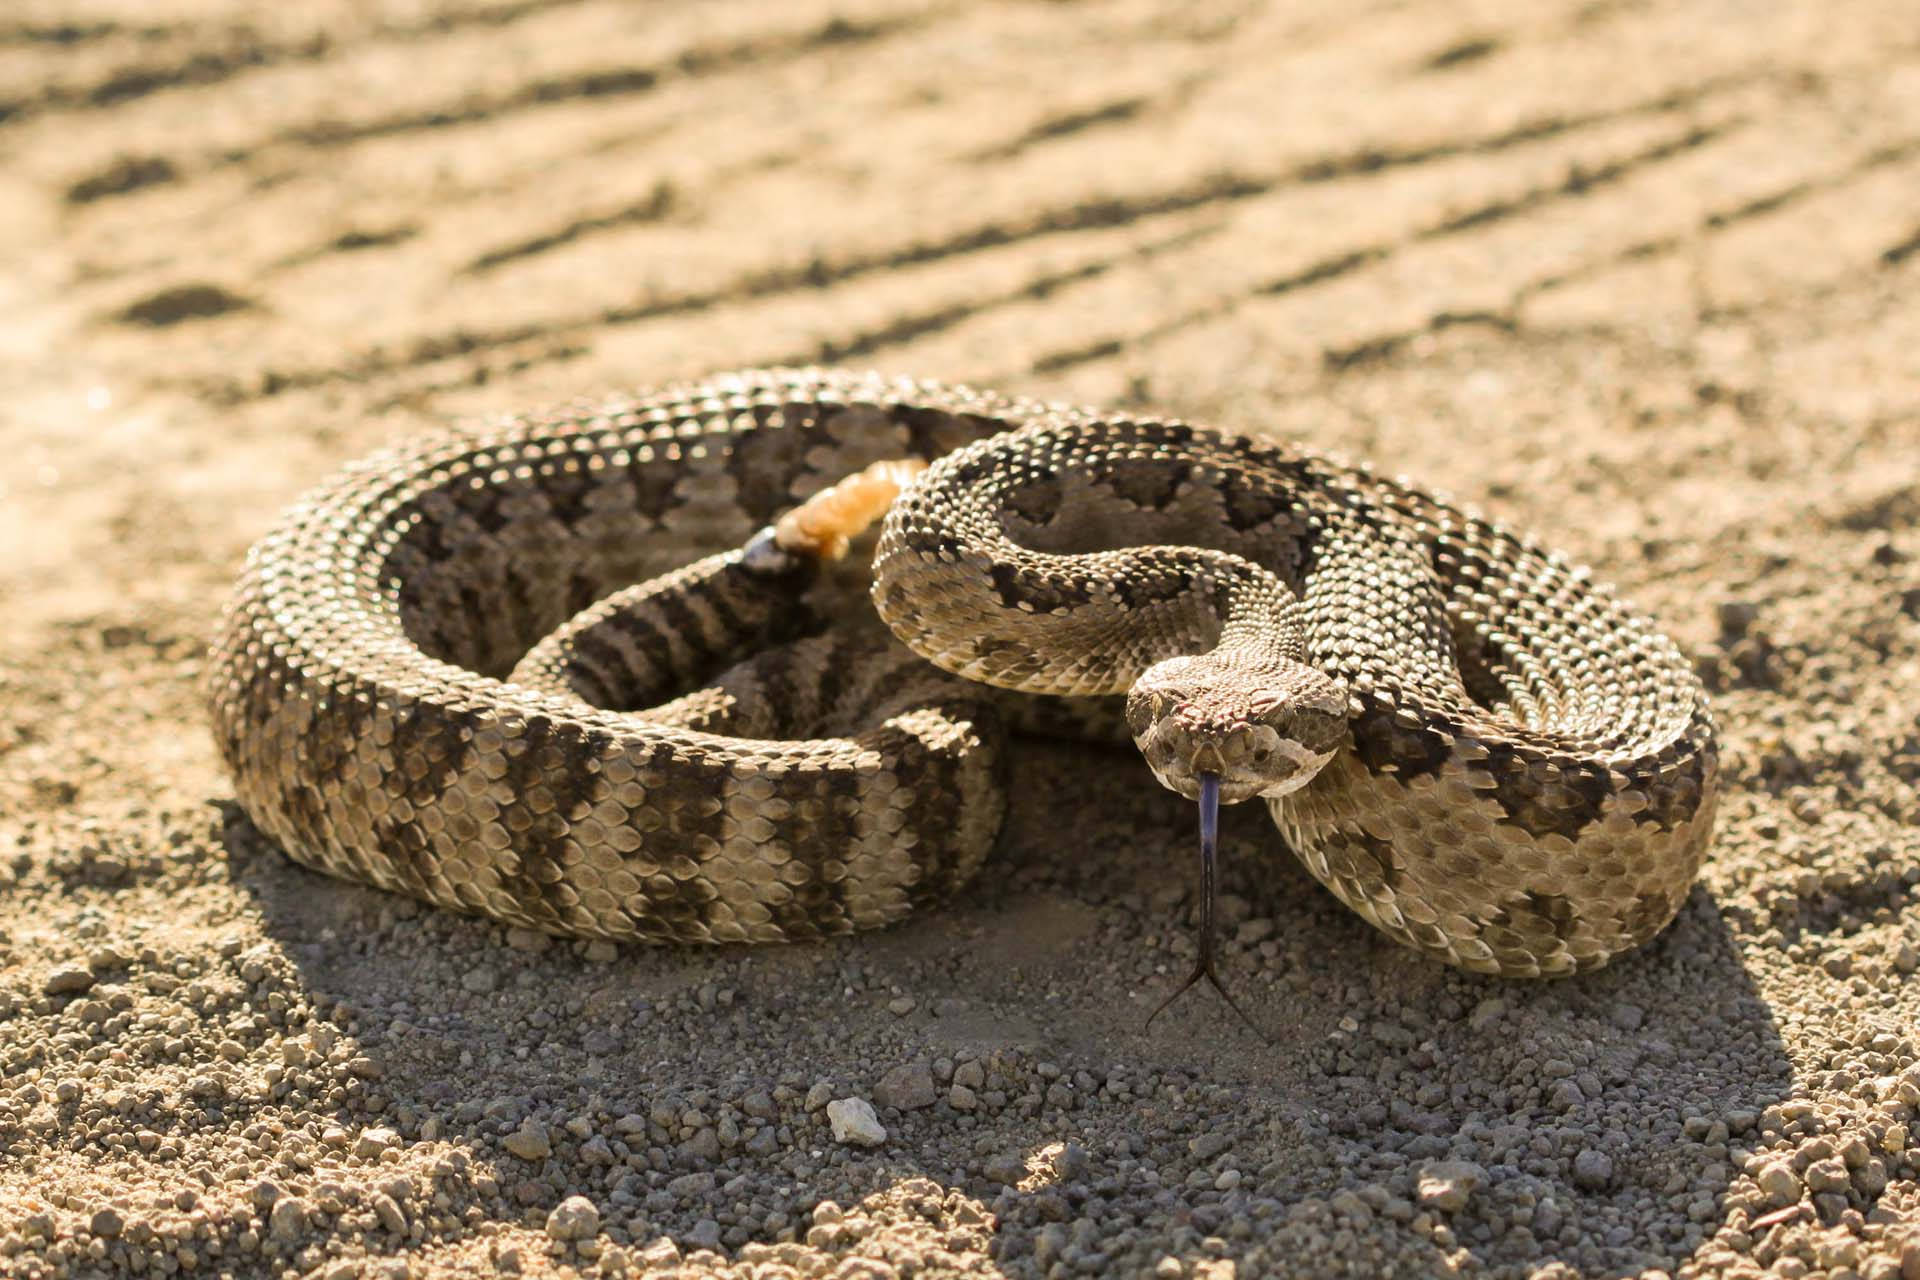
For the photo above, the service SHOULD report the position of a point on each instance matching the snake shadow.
(1595, 1122)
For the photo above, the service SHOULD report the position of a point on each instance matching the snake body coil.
(1522, 781)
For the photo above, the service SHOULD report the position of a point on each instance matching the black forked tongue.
(1209, 849)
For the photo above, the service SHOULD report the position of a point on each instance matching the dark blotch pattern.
(1555, 798)
(1016, 590)
(1036, 500)
(1529, 787)
(1148, 483)
(1387, 745)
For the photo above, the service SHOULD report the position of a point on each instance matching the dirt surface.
(1644, 279)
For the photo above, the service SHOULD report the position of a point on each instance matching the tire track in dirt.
(1578, 184)
(212, 52)
(1224, 187)
(607, 80)
(763, 282)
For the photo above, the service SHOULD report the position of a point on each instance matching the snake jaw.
(1260, 728)
(1306, 764)
(1244, 760)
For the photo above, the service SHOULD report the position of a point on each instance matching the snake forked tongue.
(1209, 848)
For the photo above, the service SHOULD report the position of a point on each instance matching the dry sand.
(1642, 278)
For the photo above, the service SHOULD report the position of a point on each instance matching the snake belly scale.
(1519, 773)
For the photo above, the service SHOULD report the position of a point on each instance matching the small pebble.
(372, 1142)
(854, 1121)
(1779, 1183)
(68, 980)
(703, 1147)
(575, 1218)
(1070, 1162)
(1486, 1013)
(529, 1142)
(288, 1220)
(1736, 616)
(388, 1211)
(1005, 1168)
(1209, 1145)
(907, 1087)
(691, 1186)
(1829, 1175)
(1447, 1184)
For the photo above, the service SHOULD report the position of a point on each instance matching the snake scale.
(438, 676)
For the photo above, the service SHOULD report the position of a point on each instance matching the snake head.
(1262, 726)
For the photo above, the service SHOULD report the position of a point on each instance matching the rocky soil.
(1644, 279)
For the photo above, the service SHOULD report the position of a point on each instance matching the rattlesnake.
(1473, 746)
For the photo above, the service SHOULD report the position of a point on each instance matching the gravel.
(1640, 279)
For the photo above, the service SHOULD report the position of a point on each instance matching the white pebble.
(1446, 1184)
(853, 1121)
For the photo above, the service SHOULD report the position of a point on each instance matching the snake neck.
(1022, 576)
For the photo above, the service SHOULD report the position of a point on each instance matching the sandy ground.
(1642, 278)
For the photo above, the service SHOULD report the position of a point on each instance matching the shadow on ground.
(1398, 1106)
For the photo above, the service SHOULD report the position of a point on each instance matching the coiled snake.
(1473, 746)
